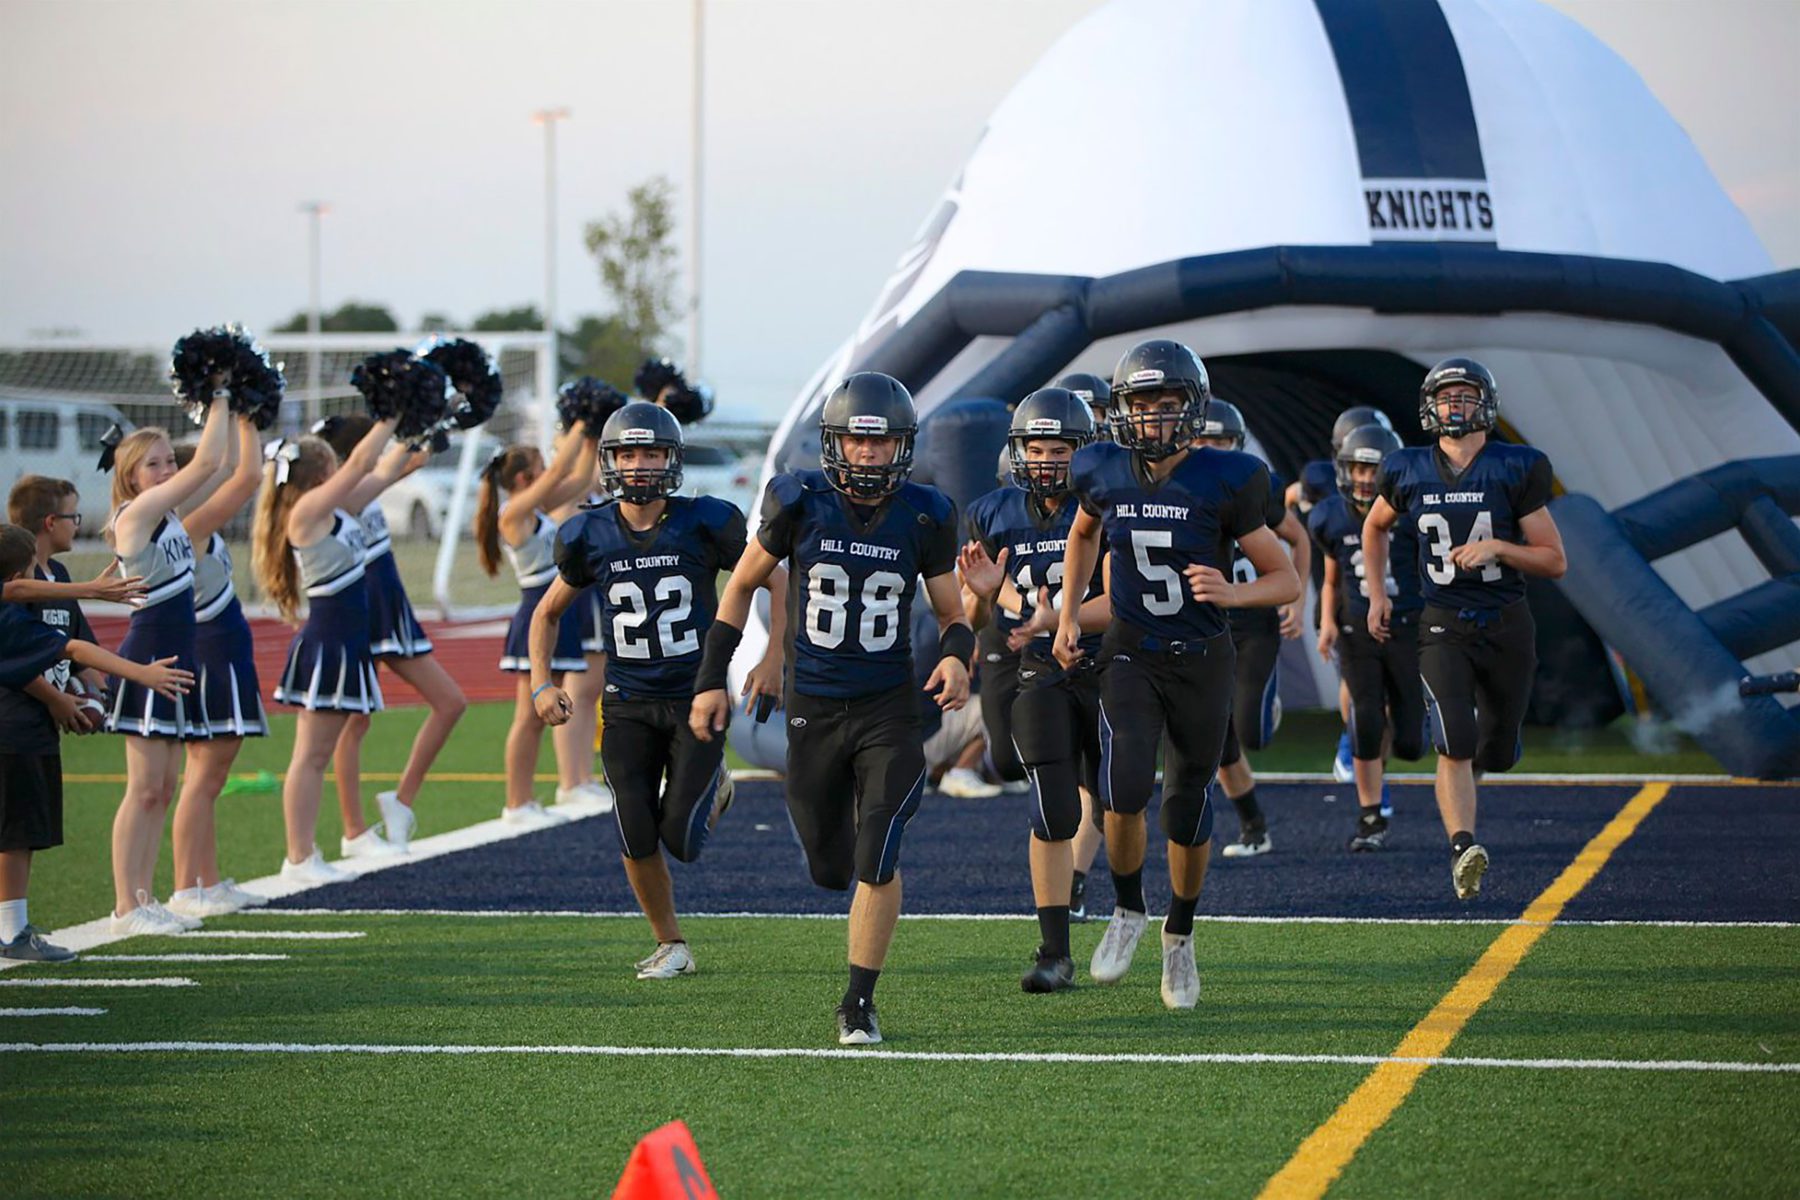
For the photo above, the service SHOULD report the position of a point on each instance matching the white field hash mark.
(166, 982)
(275, 935)
(184, 958)
(52, 1012)
(945, 1056)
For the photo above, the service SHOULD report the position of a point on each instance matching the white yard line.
(36, 982)
(945, 1056)
(52, 1012)
(182, 958)
(276, 935)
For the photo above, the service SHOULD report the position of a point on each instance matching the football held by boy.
(856, 535)
(1170, 512)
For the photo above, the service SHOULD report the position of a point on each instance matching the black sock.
(1053, 927)
(1128, 890)
(1370, 815)
(1250, 813)
(1461, 840)
(1078, 883)
(1181, 916)
(862, 986)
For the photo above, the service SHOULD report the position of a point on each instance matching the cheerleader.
(303, 538)
(150, 542)
(398, 640)
(528, 534)
(227, 692)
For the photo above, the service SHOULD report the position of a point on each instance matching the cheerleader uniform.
(226, 689)
(329, 668)
(535, 565)
(394, 630)
(593, 636)
(162, 626)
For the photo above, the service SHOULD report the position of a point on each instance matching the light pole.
(696, 147)
(548, 117)
(314, 209)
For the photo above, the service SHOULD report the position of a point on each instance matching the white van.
(61, 439)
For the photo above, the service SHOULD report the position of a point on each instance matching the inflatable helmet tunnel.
(1323, 197)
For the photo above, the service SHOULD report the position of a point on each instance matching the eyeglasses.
(75, 517)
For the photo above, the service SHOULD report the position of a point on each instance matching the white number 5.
(1142, 542)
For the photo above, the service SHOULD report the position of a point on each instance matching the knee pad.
(1186, 823)
(1497, 756)
(828, 875)
(1055, 804)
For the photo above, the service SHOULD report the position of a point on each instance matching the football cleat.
(856, 1024)
(1078, 900)
(1180, 977)
(1342, 769)
(1250, 843)
(1112, 957)
(1048, 974)
(668, 960)
(1369, 835)
(1467, 871)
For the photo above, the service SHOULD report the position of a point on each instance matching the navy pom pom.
(689, 403)
(257, 385)
(202, 362)
(590, 400)
(475, 378)
(655, 375)
(400, 387)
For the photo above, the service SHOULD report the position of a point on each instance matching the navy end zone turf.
(1705, 854)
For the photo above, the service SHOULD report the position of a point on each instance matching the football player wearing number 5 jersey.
(1170, 512)
(857, 536)
(1478, 506)
(653, 558)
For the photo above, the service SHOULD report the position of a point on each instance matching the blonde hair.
(271, 552)
(130, 454)
(501, 475)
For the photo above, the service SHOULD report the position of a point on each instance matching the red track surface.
(470, 651)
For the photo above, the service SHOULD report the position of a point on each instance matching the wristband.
(721, 643)
(958, 642)
(535, 692)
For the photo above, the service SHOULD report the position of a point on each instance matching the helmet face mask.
(1159, 397)
(636, 427)
(1367, 446)
(1480, 413)
(865, 407)
(1044, 419)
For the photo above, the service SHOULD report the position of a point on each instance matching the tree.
(524, 319)
(436, 322)
(637, 265)
(352, 316)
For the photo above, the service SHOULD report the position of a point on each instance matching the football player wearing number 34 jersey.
(1478, 506)
(857, 536)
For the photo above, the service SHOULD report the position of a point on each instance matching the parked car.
(711, 468)
(60, 438)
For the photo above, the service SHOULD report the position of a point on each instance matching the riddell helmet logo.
(1043, 425)
(876, 425)
(637, 436)
(1085, 396)
(797, 722)
(1144, 378)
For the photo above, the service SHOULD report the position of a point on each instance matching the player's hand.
(764, 679)
(949, 684)
(554, 707)
(1210, 586)
(983, 574)
(709, 713)
(65, 710)
(1472, 556)
(108, 586)
(1328, 636)
(1293, 620)
(1067, 646)
(1043, 619)
(1380, 607)
(165, 678)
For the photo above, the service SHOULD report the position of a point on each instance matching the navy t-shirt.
(852, 572)
(1503, 484)
(658, 590)
(1153, 530)
(29, 648)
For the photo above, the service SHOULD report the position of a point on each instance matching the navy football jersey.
(852, 572)
(1257, 620)
(1318, 479)
(658, 590)
(1008, 519)
(1337, 532)
(1212, 498)
(1503, 484)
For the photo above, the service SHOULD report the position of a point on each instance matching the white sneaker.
(239, 899)
(722, 798)
(397, 820)
(1467, 871)
(965, 784)
(1112, 957)
(667, 961)
(530, 815)
(585, 799)
(367, 844)
(185, 920)
(315, 870)
(1249, 845)
(198, 902)
(142, 921)
(1181, 979)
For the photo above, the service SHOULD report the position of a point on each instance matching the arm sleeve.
(28, 648)
(779, 514)
(1533, 492)
(573, 562)
(1250, 505)
(1388, 488)
(938, 553)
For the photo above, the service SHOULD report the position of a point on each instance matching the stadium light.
(314, 209)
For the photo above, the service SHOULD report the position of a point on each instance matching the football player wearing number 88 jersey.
(857, 536)
(1170, 512)
(653, 558)
(1478, 506)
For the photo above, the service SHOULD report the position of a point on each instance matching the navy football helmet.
(640, 424)
(1370, 443)
(1051, 412)
(1150, 367)
(1355, 418)
(1094, 392)
(1486, 413)
(1223, 420)
(868, 404)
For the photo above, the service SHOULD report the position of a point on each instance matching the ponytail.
(500, 475)
(292, 470)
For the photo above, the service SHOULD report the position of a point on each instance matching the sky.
(154, 154)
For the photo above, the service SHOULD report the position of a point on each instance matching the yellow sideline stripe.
(1323, 1156)
(379, 776)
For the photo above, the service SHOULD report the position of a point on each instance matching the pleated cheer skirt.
(394, 629)
(161, 631)
(329, 667)
(227, 691)
(565, 656)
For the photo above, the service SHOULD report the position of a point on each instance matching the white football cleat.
(367, 844)
(1180, 978)
(397, 820)
(313, 871)
(668, 960)
(1467, 871)
(964, 784)
(1249, 845)
(198, 901)
(529, 815)
(1112, 957)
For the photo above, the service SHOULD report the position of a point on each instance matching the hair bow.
(284, 454)
(109, 446)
